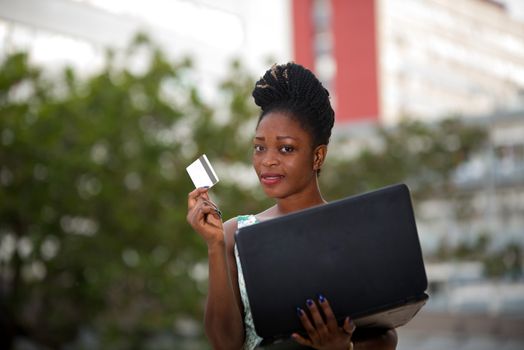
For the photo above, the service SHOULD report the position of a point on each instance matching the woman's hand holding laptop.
(322, 327)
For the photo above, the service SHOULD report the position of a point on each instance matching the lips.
(271, 179)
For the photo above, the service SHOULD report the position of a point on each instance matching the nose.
(270, 160)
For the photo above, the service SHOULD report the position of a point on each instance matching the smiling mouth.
(271, 179)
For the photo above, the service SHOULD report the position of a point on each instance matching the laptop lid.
(361, 252)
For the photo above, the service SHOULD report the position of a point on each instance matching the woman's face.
(283, 156)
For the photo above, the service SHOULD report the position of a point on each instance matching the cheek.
(303, 164)
(308, 160)
(255, 162)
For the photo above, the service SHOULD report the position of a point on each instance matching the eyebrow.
(261, 138)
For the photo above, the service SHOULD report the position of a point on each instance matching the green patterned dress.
(252, 338)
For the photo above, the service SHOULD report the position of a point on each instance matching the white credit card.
(202, 173)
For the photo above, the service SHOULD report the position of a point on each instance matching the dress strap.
(246, 220)
(252, 339)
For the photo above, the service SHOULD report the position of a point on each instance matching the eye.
(258, 148)
(287, 149)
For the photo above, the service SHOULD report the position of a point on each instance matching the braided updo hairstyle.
(292, 89)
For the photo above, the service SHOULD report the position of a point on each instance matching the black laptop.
(362, 253)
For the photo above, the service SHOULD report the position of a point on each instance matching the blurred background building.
(382, 61)
(387, 59)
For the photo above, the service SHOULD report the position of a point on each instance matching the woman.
(289, 149)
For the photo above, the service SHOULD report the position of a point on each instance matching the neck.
(299, 201)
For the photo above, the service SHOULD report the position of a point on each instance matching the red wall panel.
(303, 33)
(355, 53)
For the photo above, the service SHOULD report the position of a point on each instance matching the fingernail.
(309, 302)
(299, 311)
(218, 212)
(205, 187)
(321, 298)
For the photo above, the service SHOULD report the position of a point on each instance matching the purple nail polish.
(299, 311)
(309, 302)
(321, 298)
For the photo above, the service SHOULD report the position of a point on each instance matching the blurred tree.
(93, 196)
(425, 156)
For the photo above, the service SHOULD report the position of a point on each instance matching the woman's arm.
(223, 318)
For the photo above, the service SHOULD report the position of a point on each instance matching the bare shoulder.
(230, 227)
(267, 214)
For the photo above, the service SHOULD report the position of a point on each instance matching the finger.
(308, 326)
(196, 199)
(331, 321)
(209, 202)
(301, 340)
(205, 193)
(349, 326)
(207, 208)
(199, 213)
(212, 214)
(192, 213)
(320, 325)
(217, 213)
(193, 196)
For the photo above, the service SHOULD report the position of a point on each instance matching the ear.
(319, 155)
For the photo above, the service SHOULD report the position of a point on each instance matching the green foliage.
(507, 262)
(422, 155)
(504, 262)
(93, 196)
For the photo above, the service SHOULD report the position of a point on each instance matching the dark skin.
(286, 163)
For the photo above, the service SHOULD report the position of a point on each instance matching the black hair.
(293, 89)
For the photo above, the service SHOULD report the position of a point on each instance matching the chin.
(274, 193)
(277, 194)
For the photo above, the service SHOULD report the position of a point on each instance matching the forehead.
(280, 124)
